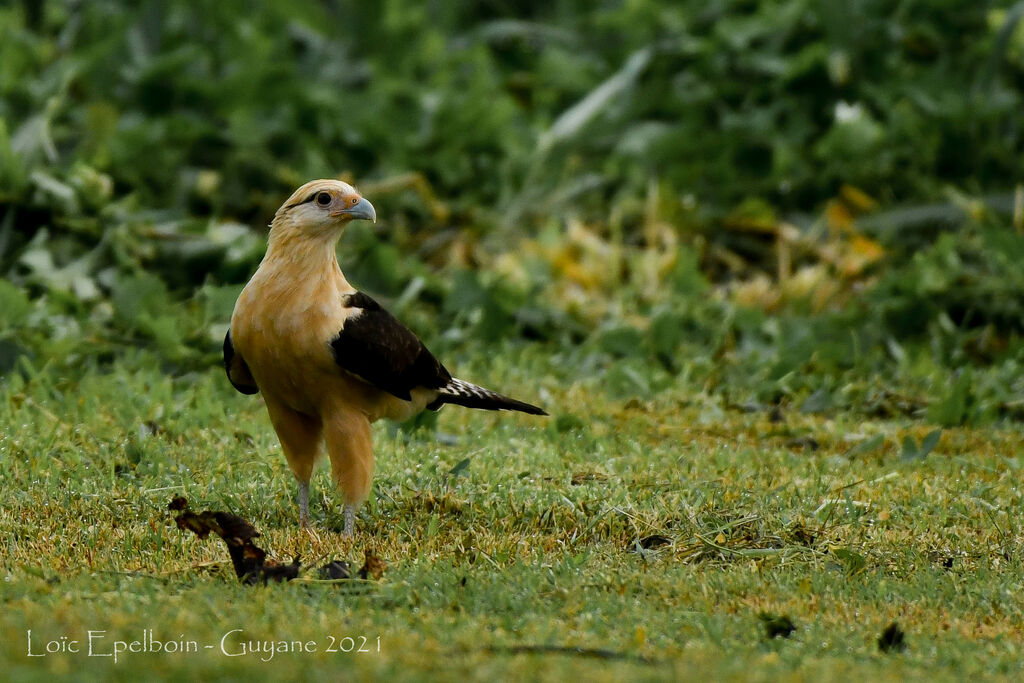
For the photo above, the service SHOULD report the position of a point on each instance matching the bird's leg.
(304, 504)
(300, 441)
(350, 520)
(347, 433)
(304, 511)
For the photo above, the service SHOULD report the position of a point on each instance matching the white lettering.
(30, 645)
(223, 643)
(97, 635)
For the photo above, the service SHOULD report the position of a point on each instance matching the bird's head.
(324, 206)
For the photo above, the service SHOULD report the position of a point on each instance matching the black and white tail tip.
(470, 395)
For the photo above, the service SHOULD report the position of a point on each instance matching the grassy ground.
(536, 542)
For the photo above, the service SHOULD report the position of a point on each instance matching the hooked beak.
(361, 209)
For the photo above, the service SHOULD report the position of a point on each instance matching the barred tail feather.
(470, 395)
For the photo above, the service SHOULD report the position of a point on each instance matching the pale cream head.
(325, 204)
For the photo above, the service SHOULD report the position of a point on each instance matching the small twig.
(837, 489)
(43, 410)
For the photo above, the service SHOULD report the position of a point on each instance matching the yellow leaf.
(758, 292)
(866, 247)
(755, 215)
(861, 252)
(857, 198)
(838, 216)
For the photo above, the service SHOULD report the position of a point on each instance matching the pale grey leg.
(350, 520)
(304, 504)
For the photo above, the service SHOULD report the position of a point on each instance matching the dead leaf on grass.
(251, 563)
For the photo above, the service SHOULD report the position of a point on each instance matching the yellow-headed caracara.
(326, 357)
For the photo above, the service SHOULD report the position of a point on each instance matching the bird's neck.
(306, 257)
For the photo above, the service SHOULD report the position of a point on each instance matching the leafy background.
(816, 205)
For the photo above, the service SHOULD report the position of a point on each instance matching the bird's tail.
(469, 395)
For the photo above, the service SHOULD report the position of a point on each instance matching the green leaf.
(818, 402)
(166, 331)
(623, 381)
(12, 170)
(574, 119)
(866, 446)
(852, 562)
(466, 293)
(459, 468)
(910, 450)
(219, 302)
(14, 305)
(568, 423)
(137, 296)
(622, 340)
(10, 352)
(666, 333)
(686, 276)
(930, 441)
(952, 409)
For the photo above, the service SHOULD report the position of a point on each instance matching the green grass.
(689, 212)
(534, 543)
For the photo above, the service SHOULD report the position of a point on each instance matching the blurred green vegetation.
(817, 204)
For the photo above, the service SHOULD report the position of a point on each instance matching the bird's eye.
(323, 198)
(354, 201)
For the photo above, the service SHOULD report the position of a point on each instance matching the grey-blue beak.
(361, 209)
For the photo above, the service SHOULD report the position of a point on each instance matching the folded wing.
(237, 369)
(374, 346)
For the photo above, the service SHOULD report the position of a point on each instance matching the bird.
(327, 359)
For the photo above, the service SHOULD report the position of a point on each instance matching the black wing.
(375, 347)
(237, 369)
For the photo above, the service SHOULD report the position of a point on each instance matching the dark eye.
(323, 198)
